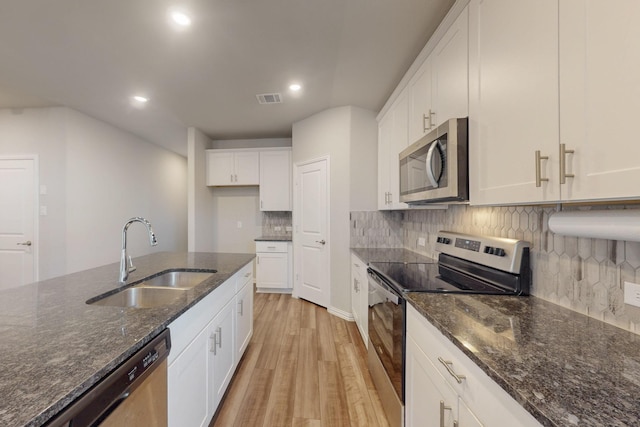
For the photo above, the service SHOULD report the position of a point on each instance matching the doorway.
(18, 221)
(311, 232)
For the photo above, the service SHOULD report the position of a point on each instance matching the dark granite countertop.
(281, 238)
(53, 346)
(369, 255)
(565, 368)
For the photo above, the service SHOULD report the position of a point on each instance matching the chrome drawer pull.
(442, 409)
(447, 364)
(539, 178)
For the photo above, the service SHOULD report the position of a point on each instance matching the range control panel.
(497, 252)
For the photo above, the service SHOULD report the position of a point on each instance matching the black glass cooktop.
(431, 277)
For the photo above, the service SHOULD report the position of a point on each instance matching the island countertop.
(54, 346)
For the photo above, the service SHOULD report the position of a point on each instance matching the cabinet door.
(513, 100)
(355, 293)
(187, 382)
(430, 402)
(450, 80)
(247, 168)
(385, 131)
(420, 103)
(467, 418)
(272, 270)
(244, 318)
(221, 354)
(275, 180)
(599, 102)
(399, 141)
(220, 169)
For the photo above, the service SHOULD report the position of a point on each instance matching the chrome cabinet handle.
(213, 347)
(539, 159)
(355, 285)
(27, 243)
(322, 242)
(431, 120)
(443, 408)
(219, 334)
(390, 197)
(241, 304)
(247, 274)
(563, 164)
(447, 364)
(424, 125)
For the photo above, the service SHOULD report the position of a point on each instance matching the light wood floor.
(303, 367)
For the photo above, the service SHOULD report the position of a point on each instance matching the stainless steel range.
(466, 264)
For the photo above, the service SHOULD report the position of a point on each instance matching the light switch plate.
(421, 241)
(632, 293)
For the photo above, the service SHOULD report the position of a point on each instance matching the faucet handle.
(131, 267)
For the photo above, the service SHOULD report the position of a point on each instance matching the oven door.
(386, 330)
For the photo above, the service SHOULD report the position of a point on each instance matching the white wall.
(97, 176)
(364, 160)
(331, 133)
(201, 209)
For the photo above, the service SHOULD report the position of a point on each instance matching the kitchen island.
(55, 346)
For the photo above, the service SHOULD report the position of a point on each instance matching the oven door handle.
(383, 290)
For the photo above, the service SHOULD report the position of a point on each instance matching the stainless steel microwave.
(436, 167)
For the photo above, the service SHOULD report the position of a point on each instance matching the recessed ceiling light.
(181, 18)
(140, 99)
(295, 87)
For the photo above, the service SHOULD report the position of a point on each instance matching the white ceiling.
(93, 55)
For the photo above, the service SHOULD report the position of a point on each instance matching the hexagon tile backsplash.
(583, 274)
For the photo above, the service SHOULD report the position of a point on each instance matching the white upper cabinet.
(392, 139)
(232, 167)
(553, 101)
(275, 180)
(513, 101)
(450, 72)
(600, 98)
(439, 89)
(421, 113)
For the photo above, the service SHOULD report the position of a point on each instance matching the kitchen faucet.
(124, 269)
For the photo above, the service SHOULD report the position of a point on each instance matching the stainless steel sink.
(157, 291)
(142, 297)
(176, 279)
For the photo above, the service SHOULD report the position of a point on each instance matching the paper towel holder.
(618, 224)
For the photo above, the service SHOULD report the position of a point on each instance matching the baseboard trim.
(273, 291)
(341, 313)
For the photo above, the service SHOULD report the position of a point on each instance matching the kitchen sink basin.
(177, 279)
(141, 297)
(157, 291)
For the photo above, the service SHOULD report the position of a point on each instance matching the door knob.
(322, 242)
(27, 243)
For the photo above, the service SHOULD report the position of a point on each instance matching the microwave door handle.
(429, 162)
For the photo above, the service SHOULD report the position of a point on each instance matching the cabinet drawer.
(243, 276)
(271, 246)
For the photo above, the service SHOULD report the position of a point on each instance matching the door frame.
(36, 208)
(294, 220)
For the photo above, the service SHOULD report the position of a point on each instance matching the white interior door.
(311, 243)
(17, 222)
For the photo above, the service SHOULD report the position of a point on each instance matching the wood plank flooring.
(303, 368)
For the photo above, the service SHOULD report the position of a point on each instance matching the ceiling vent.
(269, 98)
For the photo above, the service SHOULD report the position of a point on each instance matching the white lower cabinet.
(433, 395)
(205, 353)
(244, 316)
(360, 297)
(222, 353)
(274, 269)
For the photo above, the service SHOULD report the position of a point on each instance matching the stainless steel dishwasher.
(135, 394)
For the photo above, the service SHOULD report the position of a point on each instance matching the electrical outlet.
(276, 228)
(239, 224)
(632, 293)
(421, 241)
(288, 228)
